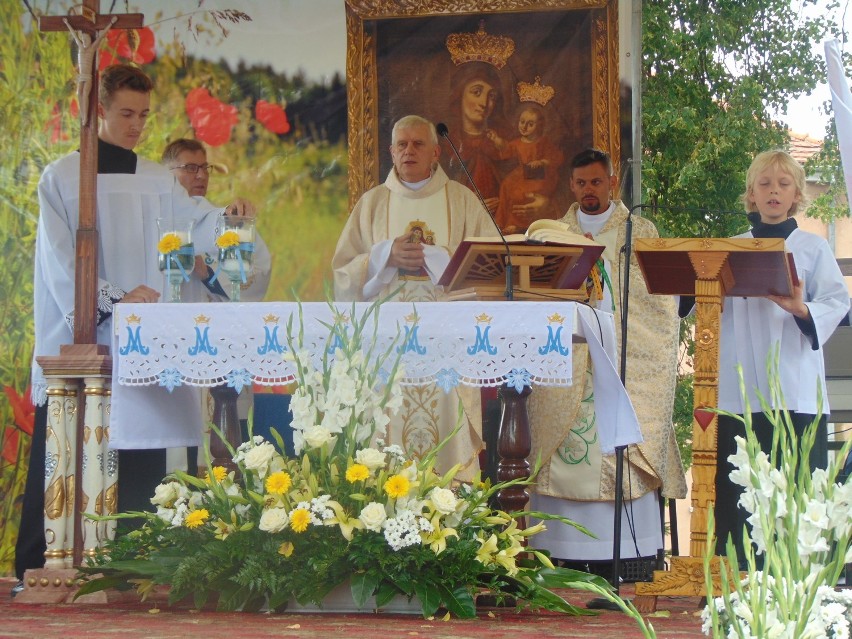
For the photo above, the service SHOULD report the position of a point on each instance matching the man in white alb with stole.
(397, 241)
(576, 480)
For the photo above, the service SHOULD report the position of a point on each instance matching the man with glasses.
(187, 160)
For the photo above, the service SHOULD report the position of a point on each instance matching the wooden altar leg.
(686, 576)
(514, 446)
(226, 419)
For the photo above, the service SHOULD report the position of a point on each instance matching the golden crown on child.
(535, 92)
(480, 47)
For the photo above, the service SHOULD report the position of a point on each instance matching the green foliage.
(715, 74)
(34, 77)
(834, 203)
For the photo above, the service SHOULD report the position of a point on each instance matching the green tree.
(716, 74)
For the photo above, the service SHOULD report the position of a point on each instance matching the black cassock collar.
(782, 230)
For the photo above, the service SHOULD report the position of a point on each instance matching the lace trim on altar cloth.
(450, 344)
(108, 295)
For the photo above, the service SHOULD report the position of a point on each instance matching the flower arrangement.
(345, 509)
(801, 525)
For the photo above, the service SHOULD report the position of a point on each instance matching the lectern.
(543, 271)
(709, 269)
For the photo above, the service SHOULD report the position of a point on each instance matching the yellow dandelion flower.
(286, 548)
(278, 483)
(397, 486)
(299, 520)
(357, 472)
(196, 518)
(228, 239)
(169, 243)
(219, 472)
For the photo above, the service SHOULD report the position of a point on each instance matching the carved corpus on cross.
(88, 27)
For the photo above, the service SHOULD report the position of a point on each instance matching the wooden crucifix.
(88, 27)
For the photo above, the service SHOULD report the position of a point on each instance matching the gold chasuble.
(440, 214)
(563, 421)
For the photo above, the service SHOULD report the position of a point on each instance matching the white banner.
(841, 102)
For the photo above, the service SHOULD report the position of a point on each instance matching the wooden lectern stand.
(544, 271)
(709, 269)
(477, 270)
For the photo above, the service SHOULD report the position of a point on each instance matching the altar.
(162, 347)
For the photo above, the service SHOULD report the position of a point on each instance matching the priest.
(577, 481)
(396, 243)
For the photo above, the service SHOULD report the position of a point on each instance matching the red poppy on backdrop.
(54, 124)
(211, 119)
(120, 46)
(10, 446)
(24, 415)
(272, 116)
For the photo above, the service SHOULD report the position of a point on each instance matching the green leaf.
(429, 596)
(385, 593)
(102, 583)
(363, 585)
(459, 601)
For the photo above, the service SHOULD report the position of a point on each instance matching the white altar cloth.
(472, 343)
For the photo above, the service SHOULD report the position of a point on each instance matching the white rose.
(258, 458)
(316, 436)
(370, 457)
(273, 520)
(373, 516)
(165, 494)
(444, 500)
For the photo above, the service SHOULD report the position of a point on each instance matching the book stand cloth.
(477, 270)
(709, 269)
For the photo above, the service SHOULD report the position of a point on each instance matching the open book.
(549, 258)
(542, 232)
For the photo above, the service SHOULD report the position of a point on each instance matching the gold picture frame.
(396, 58)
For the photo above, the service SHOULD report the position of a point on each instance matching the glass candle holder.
(235, 240)
(176, 254)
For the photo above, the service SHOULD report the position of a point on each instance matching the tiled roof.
(802, 146)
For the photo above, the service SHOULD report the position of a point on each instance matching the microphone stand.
(598, 602)
(442, 130)
(622, 372)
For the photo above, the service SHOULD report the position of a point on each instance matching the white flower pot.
(340, 600)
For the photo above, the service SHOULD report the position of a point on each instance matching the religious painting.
(520, 91)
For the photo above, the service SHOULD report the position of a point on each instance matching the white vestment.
(442, 213)
(752, 327)
(128, 207)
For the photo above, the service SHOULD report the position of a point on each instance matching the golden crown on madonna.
(480, 47)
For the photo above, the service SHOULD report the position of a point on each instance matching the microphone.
(442, 130)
